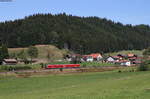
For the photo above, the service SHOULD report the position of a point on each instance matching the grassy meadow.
(95, 64)
(102, 85)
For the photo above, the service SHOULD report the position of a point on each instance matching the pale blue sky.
(125, 11)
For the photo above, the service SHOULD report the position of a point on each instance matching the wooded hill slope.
(80, 34)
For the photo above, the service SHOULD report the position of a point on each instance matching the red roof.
(133, 58)
(123, 61)
(137, 62)
(115, 56)
(130, 55)
(85, 56)
(95, 55)
(139, 57)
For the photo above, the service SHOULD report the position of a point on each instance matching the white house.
(125, 63)
(88, 58)
(110, 59)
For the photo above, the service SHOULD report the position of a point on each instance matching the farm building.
(117, 57)
(136, 62)
(92, 57)
(87, 58)
(96, 56)
(131, 55)
(113, 59)
(10, 62)
(123, 63)
(110, 59)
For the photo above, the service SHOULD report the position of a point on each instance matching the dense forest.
(80, 34)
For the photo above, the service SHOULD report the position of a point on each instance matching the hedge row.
(11, 68)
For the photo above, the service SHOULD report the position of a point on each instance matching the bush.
(76, 60)
(144, 66)
(10, 68)
(26, 61)
(119, 71)
(84, 65)
(42, 65)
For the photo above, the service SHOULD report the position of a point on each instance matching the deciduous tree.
(32, 52)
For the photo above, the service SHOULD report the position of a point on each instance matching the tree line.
(79, 34)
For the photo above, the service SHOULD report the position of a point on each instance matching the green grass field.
(95, 64)
(104, 85)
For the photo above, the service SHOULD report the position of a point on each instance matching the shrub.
(144, 66)
(42, 65)
(10, 68)
(21, 68)
(26, 61)
(119, 71)
(84, 65)
(76, 60)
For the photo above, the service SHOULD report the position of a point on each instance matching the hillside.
(80, 34)
(43, 52)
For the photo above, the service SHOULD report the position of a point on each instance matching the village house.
(123, 63)
(110, 59)
(136, 60)
(96, 56)
(10, 62)
(87, 58)
(68, 57)
(113, 59)
(76, 58)
(130, 55)
(124, 60)
(92, 57)
(121, 56)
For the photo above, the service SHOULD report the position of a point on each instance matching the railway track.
(69, 70)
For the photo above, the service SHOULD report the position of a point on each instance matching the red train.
(59, 66)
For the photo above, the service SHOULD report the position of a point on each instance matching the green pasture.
(104, 85)
(95, 64)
